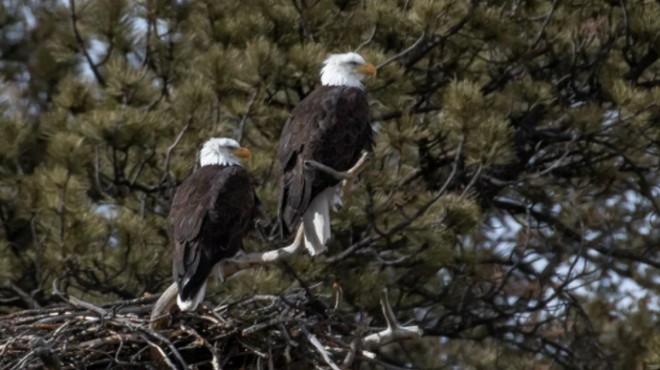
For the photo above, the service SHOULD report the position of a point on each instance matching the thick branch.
(246, 261)
(340, 175)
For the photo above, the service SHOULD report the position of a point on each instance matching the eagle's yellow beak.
(243, 152)
(368, 69)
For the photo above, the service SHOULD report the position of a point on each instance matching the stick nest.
(264, 331)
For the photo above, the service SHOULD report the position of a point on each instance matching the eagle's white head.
(346, 70)
(222, 151)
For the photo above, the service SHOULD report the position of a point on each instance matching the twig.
(170, 149)
(246, 115)
(319, 347)
(356, 343)
(214, 352)
(29, 300)
(112, 339)
(303, 20)
(394, 331)
(160, 338)
(81, 43)
(97, 171)
(46, 354)
(367, 41)
(546, 21)
(159, 350)
(338, 294)
(403, 53)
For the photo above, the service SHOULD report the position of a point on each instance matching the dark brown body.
(211, 212)
(330, 126)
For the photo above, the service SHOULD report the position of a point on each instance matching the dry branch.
(394, 331)
(402, 53)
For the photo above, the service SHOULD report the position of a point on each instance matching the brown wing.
(330, 126)
(211, 212)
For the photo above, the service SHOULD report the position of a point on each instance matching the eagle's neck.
(334, 75)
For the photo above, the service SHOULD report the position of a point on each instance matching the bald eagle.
(330, 126)
(211, 212)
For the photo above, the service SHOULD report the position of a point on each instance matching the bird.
(212, 210)
(330, 126)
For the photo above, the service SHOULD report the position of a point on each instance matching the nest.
(264, 331)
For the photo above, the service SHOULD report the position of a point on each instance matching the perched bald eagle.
(211, 212)
(330, 126)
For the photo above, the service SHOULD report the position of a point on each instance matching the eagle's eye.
(231, 145)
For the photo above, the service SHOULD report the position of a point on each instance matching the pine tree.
(510, 207)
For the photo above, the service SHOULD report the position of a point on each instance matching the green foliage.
(510, 206)
(470, 117)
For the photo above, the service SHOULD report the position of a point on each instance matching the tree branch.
(339, 175)
(319, 347)
(403, 53)
(367, 41)
(81, 43)
(246, 115)
(394, 331)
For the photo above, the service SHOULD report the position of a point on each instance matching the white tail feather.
(316, 222)
(191, 304)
